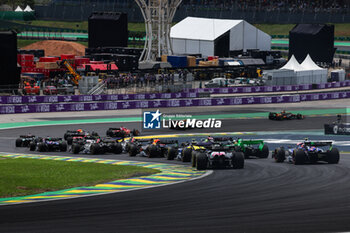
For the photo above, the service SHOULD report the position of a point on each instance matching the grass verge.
(341, 29)
(20, 177)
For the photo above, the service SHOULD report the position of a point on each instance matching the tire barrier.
(115, 105)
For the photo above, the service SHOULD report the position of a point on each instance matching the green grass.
(20, 177)
(272, 29)
(58, 24)
(24, 43)
(341, 29)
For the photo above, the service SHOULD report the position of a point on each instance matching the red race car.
(122, 132)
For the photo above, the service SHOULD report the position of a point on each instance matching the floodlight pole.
(158, 15)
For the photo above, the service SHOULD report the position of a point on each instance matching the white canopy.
(309, 64)
(204, 36)
(18, 9)
(292, 64)
(28, 9)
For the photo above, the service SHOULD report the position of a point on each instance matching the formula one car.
(337, 127)
(25, 140)
(138, 146)
(106, 145)
(249, 148)
(122, 132)
(161, 148)
(219, 156)
(48, 144)
(188, 149)
(68, 136)
(83, 144)
(308, 152)
(284, 116)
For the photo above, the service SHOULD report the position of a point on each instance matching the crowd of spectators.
(293, 6)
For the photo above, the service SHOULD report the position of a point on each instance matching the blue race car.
(308, 152)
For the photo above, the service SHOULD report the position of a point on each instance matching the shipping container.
(177, 61)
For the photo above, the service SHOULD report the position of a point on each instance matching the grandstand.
(254, 11)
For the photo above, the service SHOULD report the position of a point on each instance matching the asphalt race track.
(262, 197)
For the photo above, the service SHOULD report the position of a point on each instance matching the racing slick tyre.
(201, 161)
(18, 142)
(171, 153)
(132, 150)
(63, 146)
(118, 148)
(42, 147)
(186, 155)
(109, 133)
(333, 156)
(299, 116)
(69, 140)
(152, 152)
(75, 148)
(32, 146)
(94, 148)
(135, 132)
(264, 153)
(194, 158)
(272, 116)
(299, 157)
(94, 134)
(65, 136)
(238, 160)
(279, 155)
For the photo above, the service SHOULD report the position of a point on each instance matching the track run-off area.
(263, 197)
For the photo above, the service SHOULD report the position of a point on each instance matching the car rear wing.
(168, 141)
(143, 140)
(114, 129)
(26, 136)
(250, 142)
(222, 139)
(318, 144)
(72, 131)
(53, 139)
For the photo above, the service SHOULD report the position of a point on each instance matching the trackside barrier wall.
(66, 107)
(257, 89)
(91, 98)
(191, 93)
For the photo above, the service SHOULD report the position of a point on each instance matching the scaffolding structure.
(158, 15)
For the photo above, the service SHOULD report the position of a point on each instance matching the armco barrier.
(114, 105)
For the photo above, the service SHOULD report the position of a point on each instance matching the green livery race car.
(256, 148)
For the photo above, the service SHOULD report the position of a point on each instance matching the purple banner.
(260, 89)
(92, 98)
(138, 104)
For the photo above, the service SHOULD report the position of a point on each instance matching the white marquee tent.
(294, 73)
(204, 36)
(28, 9)
(302, 75)
(18, 9)
(319, 75)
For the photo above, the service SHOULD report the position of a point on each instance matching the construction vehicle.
(76, 76)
